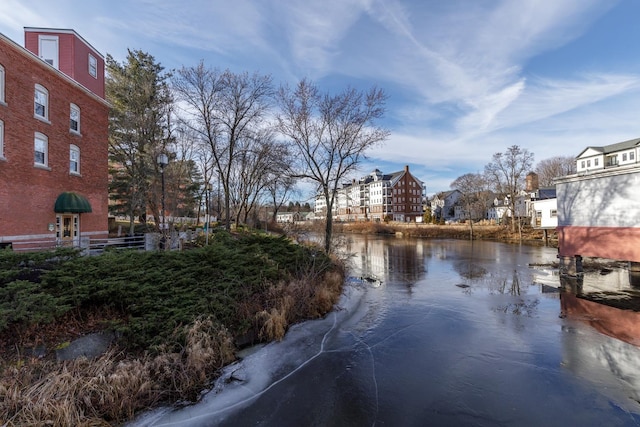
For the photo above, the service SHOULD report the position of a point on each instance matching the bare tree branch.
(330, 134)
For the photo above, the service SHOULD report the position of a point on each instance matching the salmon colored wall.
(619, 243)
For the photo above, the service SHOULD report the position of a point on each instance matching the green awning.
(72, 202)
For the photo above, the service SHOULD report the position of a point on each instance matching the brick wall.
(28, 193)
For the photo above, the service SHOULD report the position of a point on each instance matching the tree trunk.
(132, 224)
(328, 231)
(520, 230)
(227, 210)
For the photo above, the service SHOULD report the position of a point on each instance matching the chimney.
(531, 182)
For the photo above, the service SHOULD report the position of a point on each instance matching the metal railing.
(97, 246)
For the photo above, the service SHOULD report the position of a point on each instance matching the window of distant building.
(2, 101)
(596, 162)
(74, 118)
(588, 163)
(74, 159)
(624, 157)
(41, 103)
(554, 213)
(93, 66)
(41, 148)
(632, 155)
(582, 164)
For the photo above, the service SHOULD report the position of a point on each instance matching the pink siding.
(620, 243)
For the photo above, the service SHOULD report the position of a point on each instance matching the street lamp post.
(163, 160)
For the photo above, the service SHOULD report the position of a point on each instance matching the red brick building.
(408, 197)
(398, 196)
(53, 140)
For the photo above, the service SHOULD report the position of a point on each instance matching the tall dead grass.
(309, 297)
(111, 389)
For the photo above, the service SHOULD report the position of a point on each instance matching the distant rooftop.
(612, 148)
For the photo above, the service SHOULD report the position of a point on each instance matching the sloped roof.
(612, 148)
(546, 193)
(444, 194)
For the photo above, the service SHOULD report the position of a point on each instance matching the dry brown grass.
(274, 322)
(308, 298)
(111, 389)
(484, 230)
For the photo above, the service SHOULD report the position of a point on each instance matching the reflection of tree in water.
(469, 270)
(521, 307)
(514, 289)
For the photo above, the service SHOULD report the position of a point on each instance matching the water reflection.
(387, 259)
(606, 303)
(459, 333)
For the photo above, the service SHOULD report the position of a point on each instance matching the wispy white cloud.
(457, 71)
(545, 97)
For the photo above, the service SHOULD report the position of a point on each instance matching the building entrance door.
(67, 229)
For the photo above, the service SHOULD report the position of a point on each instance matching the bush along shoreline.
(484, 230)
(178, 317)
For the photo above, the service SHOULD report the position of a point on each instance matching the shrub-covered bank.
(177, 315)
(481, 231)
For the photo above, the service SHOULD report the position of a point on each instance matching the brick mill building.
(53, 141)
(398, 196)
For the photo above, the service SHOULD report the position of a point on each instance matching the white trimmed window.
(1, 139)
(74, 118)
(41, 103)
(74, 159)
(93, 66)
(2, 84)
(48, 48)
(41, 148)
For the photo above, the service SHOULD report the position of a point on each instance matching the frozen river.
(443, 333)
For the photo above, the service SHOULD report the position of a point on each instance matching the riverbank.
(178, 317)
(481, 231)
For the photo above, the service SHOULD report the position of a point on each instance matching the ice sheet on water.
(260, 370)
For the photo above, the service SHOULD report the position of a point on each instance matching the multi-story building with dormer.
(598, 207)
(398, 196)
(53, 140)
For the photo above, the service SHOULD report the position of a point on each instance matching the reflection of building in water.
(595, 358)
(613, 281)
(615, 322)
(384, 259)
(607, 302)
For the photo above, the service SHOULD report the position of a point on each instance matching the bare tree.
(474, 194)
(258, 160)
(280, 182)
(227, 110)
(506, 173)
(551, 168)
(330, 135)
